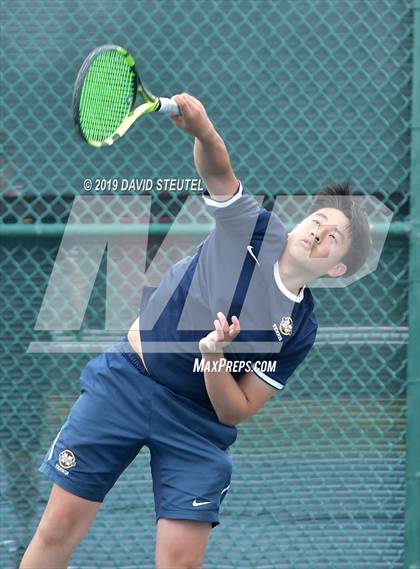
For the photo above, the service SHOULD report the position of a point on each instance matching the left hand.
(221, 336)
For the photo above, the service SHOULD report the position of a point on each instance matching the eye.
(333, 236)
(316, 221)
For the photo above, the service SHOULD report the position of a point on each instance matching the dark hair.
(337, 196)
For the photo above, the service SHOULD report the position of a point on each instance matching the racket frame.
(151, 104)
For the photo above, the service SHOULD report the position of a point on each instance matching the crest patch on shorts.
(67, 459)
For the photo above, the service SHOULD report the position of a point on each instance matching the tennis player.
(240, 302)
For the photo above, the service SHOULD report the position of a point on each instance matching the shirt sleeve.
(240, 209)
(242, 218)
(290, 357)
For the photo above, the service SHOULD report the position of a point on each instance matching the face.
(319, 243)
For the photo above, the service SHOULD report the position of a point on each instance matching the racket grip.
(169, 107)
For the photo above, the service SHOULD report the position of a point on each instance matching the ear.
(338, 270)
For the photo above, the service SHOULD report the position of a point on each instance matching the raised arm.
(210, 154)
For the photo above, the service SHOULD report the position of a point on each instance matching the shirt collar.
(283, 288)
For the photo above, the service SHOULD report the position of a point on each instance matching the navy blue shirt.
(234, 270)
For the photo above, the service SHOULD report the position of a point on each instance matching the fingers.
(235, 327)
(179, 100)
(193, 119)
(223, 325)
(223, 321)
(219, 330)
(177, 121)
(222, 334)
(183, 101)
(189, 105)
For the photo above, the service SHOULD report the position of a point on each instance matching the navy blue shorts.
(120, 409)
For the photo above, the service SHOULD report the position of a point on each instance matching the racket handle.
(169, 107)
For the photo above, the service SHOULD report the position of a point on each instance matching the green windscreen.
(108, 92)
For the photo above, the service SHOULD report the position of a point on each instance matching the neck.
(292, 275)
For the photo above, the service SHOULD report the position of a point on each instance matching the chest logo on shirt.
(286, 326)
(251, 252)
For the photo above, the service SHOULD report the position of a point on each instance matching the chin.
(310, 267)
(299, 255)
(303, 263)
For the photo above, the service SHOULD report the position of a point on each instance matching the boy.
(190, 368)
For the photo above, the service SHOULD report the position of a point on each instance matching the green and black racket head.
(104, 98)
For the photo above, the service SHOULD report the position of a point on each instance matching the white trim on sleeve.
(266, 378)
(230, 201)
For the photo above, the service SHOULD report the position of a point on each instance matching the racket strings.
(108, 93)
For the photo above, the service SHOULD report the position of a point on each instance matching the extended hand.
(193, 118)
(221, 336)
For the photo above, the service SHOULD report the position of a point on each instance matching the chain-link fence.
(303, 93)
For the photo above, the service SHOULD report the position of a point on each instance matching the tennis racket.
(104, 97)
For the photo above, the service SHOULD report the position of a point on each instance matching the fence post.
(412, 476)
